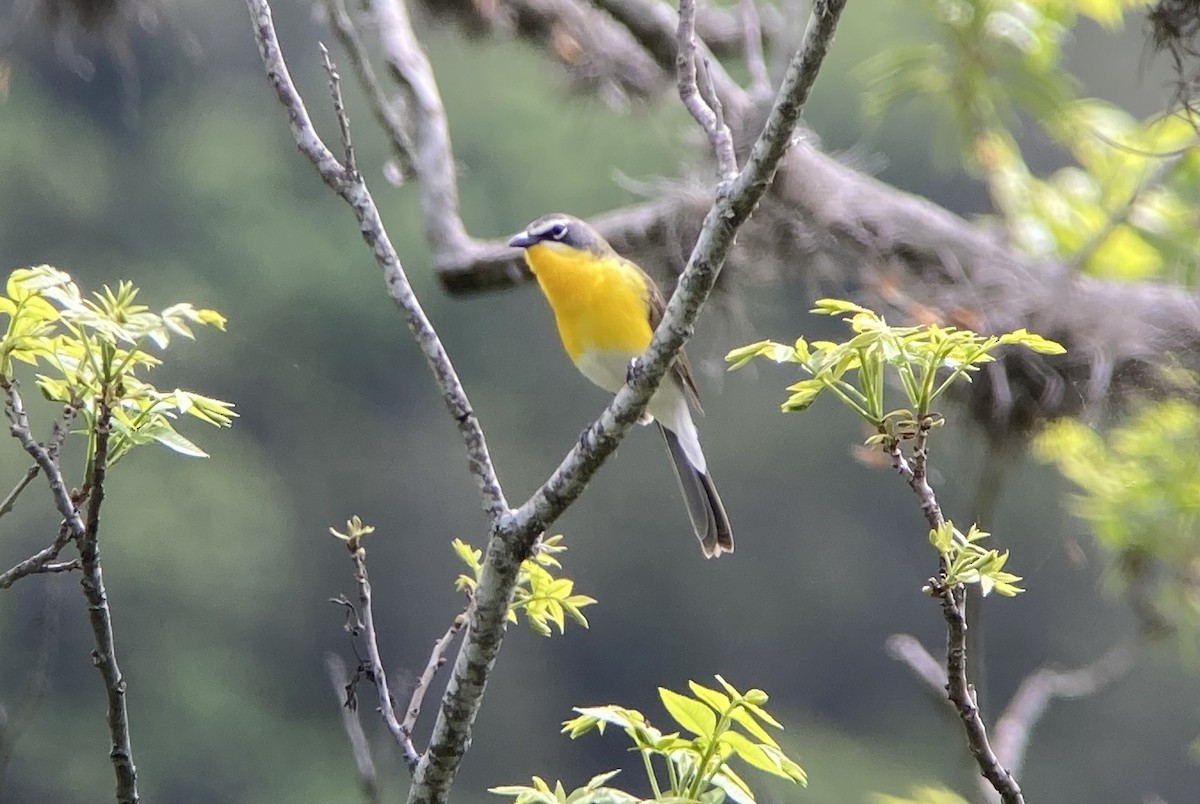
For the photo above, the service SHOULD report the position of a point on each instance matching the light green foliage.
(923, 794)
(1138, 491)
(927, 360)
(93, 353)
(724, 724)
(966, 561)
(544, 598)
(1123, 210)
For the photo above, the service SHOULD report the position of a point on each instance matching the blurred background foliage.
(219, 571)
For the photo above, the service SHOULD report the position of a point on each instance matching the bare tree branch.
(907, 649)
(963, 697)
(45, 459)
(433, 159)
(954, 610)
(656, 25)
(19, 428)
(515, 537)
(437, 657)
(388, 113)
(353, 190)
(368, 778)
(104, 655)
(7, 505)
(376, 671)
(600, 54)
(1040, 688)
(704, 107)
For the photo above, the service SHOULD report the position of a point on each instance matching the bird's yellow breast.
(600, 303)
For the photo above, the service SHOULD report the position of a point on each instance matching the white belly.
(669, 404)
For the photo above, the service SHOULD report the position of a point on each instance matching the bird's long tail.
(707, 513)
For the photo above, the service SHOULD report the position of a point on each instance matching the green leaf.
(718, 701)
(689, 713)
(751, 753)
(169, 438)
(838, 307)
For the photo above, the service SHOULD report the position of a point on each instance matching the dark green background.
(219, 570)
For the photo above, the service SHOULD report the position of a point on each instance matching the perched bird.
(606, 309)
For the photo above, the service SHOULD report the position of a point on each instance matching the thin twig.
(104, 656)
(7, 505)
(387, 113)
(353, 190)
(963, 697)
(437, 657)
(917, 475)
(368, 778)
(37, 562)
(378, 674)
(954, 610)
(62, 428)
(339, 111)
(19, 427)
(700, 108)
(46, 461)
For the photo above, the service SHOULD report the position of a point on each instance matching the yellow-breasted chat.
(606, 308)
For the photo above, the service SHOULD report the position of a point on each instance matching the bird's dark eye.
(558, 231)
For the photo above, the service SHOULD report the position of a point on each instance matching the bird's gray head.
(563, 230)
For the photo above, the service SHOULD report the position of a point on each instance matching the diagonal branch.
(353, 190)
(437, 658)
(1043, 686)
(10, 500)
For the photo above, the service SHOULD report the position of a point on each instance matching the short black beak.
(522, 240)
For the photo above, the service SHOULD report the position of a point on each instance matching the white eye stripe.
(555, 230)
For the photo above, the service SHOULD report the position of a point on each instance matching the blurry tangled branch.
(1175, 29)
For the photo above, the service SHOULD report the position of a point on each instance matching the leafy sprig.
(967, 562)
(93, 352)
(544, 598)
(927, 361)
(724, 724)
